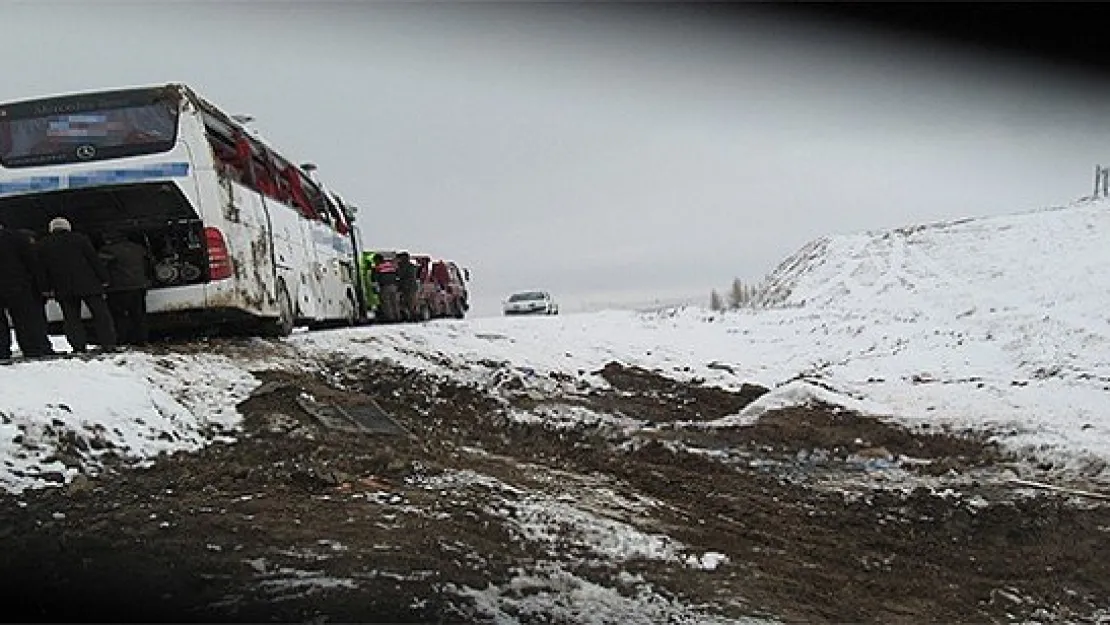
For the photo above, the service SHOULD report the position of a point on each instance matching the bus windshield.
(87, 128)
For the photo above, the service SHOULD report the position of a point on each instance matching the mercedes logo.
(85, 152)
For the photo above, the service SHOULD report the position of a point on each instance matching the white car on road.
(531, 303)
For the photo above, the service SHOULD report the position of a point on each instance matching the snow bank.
(57, 418)
(796, 393)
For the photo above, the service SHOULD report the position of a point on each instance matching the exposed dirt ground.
(297, 522)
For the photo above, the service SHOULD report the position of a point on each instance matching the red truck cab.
(447, 277)
(442, 291)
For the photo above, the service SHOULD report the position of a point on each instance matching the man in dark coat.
(406, 275)
(20, 276)
(76, 274)
(40, 287)
(384, 278)
(129, 270)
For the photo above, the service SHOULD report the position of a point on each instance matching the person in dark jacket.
(76, 275)
(20, 276)
(41, 287)
(406, 275)
(129, 270)
(384, 278)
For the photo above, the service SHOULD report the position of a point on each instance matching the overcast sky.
(606, 153)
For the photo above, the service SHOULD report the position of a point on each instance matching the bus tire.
(283, 325)
(352, 315)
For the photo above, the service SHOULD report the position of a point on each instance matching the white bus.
(240, 235)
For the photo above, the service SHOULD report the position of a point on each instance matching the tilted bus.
(240, 234)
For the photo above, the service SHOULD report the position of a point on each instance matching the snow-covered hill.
(1000, 320)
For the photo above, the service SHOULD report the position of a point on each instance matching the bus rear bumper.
(200, 308)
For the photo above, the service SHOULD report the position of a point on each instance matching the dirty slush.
(342, 499)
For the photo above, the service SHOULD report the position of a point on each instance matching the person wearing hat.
(76, 275)
(20, 276)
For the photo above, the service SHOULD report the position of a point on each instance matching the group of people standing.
(395, 281)
(65, 266)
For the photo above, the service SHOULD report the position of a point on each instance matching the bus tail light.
(219, 261)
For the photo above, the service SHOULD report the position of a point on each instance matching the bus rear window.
(74, 133)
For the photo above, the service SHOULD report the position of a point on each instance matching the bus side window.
(285, 192)
(223, 148)
(264, 174)
(336, 216)
(322, 212)
(281, 186)
(266, 186)
(244, 159)
(281, 179)
(315, 199)
(292, 175)
(341, 223)
(344, 225)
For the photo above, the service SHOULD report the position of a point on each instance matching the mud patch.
(297, 521)
(844, 433)
(647, 395)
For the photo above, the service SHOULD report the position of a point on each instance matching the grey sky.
(592, 151)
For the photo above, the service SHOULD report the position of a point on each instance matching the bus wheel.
(283, 326)
(352, 314)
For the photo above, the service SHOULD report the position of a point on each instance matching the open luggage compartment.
(155, 215)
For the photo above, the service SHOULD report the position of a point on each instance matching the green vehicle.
(369, 295)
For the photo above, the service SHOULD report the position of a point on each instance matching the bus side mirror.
(466, 274)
